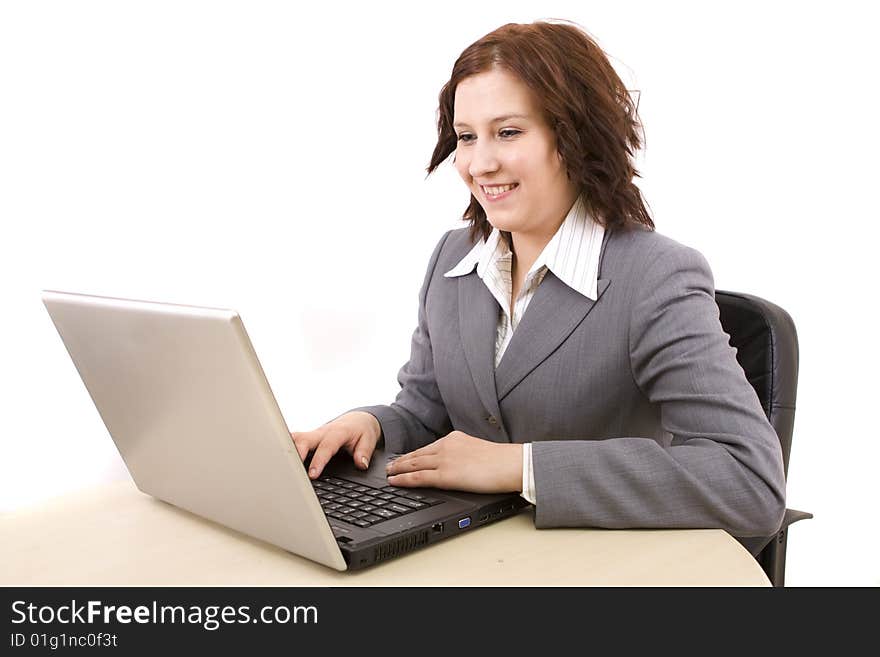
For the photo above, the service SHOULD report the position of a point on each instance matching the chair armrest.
(792, 516)
(772, 556)
(756, 544)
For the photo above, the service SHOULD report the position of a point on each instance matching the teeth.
(495, 191)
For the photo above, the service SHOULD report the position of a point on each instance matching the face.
(504, 140)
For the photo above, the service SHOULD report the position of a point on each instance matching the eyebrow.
(497, 119)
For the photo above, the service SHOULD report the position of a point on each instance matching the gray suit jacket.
(638, 413)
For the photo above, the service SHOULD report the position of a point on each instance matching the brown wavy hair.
(592, 113)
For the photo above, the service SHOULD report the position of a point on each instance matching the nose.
(483, 159)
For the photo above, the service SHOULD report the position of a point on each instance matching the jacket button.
(491, 420)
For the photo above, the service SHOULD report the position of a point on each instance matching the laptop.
(189, 408)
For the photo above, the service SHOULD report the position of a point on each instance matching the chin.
(505, 224)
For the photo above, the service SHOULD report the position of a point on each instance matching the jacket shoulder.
(458, 240)
(634, 249)
(453, 246)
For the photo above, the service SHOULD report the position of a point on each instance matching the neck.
(528, 246)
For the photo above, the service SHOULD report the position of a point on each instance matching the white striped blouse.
(572, 254)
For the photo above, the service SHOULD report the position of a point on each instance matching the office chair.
(767, 349)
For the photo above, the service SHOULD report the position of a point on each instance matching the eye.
(507, 133)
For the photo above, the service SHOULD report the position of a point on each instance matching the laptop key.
(410, 503)
(418, 497)
(398, 508)
(370, 518)
(385, 513)
(361, 523)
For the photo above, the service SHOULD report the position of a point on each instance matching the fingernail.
(312, 472)
(365, 462)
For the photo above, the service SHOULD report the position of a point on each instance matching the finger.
(412, 464)
(323, 453)
(427, 450)
(302, 443)
(363, 451)
(418, 479)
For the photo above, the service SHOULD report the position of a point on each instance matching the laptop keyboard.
(363, 506)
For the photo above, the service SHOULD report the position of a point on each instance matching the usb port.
(464, 522)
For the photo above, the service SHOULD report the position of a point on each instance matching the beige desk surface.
(116, 535)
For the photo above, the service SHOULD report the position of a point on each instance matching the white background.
(270, 157)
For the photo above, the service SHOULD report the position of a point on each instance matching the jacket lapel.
(478, 323)
(553, 313)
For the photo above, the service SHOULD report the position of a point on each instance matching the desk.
(116, 535)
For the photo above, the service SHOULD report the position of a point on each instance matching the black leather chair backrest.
(767, 349)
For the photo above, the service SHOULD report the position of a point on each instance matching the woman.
(564, 349)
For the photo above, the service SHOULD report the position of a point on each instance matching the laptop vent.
(400, 546)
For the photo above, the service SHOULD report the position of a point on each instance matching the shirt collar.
(572, 254)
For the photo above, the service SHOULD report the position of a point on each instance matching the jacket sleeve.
(418, 415)
(723, 468)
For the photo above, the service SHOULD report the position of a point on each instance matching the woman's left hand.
(460, 462)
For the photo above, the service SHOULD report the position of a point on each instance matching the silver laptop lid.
(186, 401)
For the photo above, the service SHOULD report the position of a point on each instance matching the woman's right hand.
(358, 432)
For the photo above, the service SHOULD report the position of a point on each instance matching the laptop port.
(464, 522)
(437, 527)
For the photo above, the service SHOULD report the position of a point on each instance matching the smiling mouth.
(497, 191)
